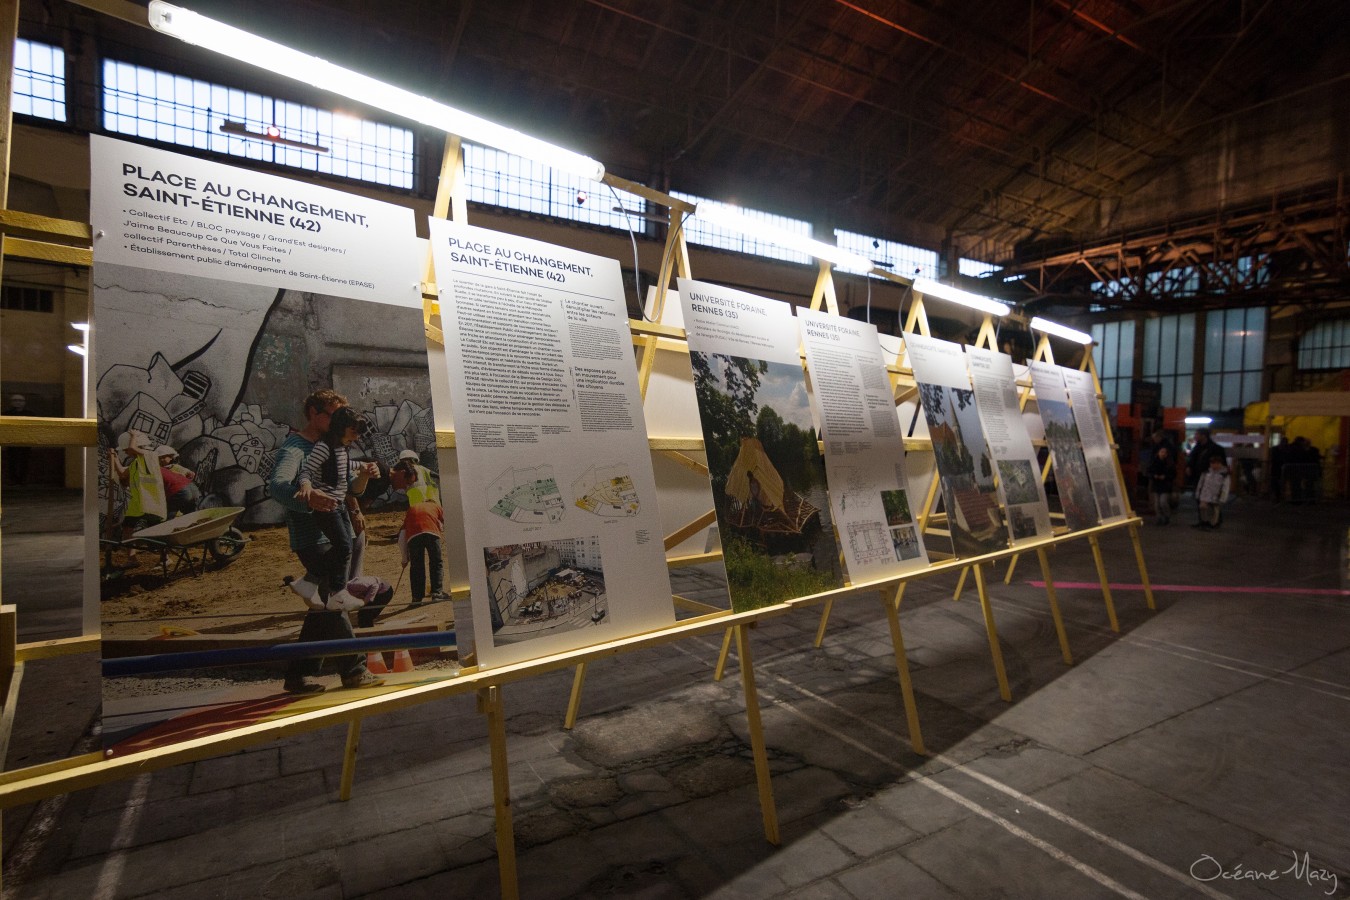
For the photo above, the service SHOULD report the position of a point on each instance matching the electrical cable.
(637, 273)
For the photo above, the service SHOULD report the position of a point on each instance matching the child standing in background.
(1211, 491)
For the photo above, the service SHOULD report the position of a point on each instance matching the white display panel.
(974, 517)
(1097, 450)
(1072, 482)
(874, 516)
(208, 334)
(559, 500)
(768, 478)
(159, 210)
(1019, 476)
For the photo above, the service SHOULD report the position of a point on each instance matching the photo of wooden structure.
(761, 503)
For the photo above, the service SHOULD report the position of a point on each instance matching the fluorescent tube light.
(229, 41)
(80, 326)
(1059, 330)
(1199, 420)
(77, 348)
(736, 221)
(930, 288)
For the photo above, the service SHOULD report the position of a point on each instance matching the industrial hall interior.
(675, 448)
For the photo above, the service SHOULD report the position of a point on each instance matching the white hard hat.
(408, 454)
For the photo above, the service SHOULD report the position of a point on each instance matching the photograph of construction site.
(768, 479)
(213, 570)
(545, 588)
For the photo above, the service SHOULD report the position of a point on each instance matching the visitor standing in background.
(1205, 449)
(1162, 482)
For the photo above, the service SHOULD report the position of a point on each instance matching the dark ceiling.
(999, 124)
(1005, 120)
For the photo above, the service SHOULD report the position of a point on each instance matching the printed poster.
(768, 478)
(864, 450)
(560, 515)
(1019, 477)
(1072, 483)
(1097, 450)
(965, 468)
(223, 300)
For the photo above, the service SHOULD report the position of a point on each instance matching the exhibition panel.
(265, 361)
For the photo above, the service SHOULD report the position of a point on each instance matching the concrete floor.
(1200, 752)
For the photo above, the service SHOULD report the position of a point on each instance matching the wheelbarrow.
(212, 530)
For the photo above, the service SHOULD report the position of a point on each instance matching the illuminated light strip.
(736, 221)
(930, 288)
(235, 43)
(1059, 330)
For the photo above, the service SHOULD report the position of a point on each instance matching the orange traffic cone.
(403, 661)
(375, 663)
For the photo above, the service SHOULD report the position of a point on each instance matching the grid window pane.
(39, 80)
(698, 230)
(1325, 346)
(975, 268)
(1169, 355)
(187, 112)
(1235, 341)
(500, 179)
(1114, 355)
(900, 259)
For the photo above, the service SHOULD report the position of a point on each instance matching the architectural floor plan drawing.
(527, 496)
(607, 491)
(869, 541)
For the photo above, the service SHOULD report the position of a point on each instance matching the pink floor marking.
(1200, 588)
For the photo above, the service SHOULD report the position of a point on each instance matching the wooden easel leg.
(961, 583)
(1106, 584)
(574, 702)
(1054, 606)
(349, 760)
(824, 618)
(490, 704)
(1012, 567)
(756, 728)
(1143, 568)
(990, 629)
(721, 668)
(892, 606)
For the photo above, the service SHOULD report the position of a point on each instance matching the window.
(39, 80)
(974, 268)
(1169, 357)
(698, 230)
(901, 259)
(26, 299)
(174, 109)
(1114, 355)
(1235, 344)
(1325, 346)
(513, 182)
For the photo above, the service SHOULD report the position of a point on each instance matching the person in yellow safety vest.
(146, 503)
(420, 539)
(424, 485)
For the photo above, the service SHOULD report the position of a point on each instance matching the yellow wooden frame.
(23, 235)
